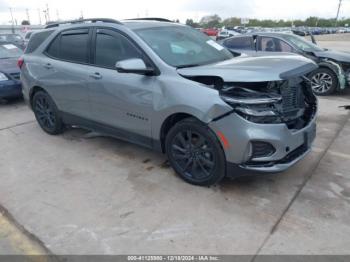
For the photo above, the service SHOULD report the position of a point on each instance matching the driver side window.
(112, 47)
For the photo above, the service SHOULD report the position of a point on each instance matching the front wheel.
(323, 81)
(195, 153)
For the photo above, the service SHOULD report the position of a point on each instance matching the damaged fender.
(336, 68)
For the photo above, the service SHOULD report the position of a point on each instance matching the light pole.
(39, 15)
(12, 21)
(28, 17)
(336, 19)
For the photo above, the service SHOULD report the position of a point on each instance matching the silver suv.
(171, 88)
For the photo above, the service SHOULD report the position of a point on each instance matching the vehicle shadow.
(12, 102)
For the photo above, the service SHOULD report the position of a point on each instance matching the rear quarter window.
(36, 40)
(71, 45)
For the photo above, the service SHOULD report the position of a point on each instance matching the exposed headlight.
(253, 112)
(250, 101)
(3, 77)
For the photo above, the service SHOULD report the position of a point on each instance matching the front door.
(123, 101)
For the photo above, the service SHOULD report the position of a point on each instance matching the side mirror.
(135, 66)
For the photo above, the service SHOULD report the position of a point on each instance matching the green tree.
(190, 22)
(210, 21)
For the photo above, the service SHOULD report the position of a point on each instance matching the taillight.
(20, 62)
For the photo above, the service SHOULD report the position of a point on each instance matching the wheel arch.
(32, 92)
(169, 122)
(333, 66)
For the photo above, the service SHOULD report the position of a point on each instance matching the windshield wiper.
(189, 65)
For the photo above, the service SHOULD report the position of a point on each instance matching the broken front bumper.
(289, 146)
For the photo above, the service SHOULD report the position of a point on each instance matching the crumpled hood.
(9, 66)
(254, 69)
(335, 55)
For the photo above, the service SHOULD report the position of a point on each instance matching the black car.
(10, 85)
(334, 67)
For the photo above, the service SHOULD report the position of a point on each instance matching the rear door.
(66, 71)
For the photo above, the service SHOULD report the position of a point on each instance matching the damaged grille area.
(291, 102)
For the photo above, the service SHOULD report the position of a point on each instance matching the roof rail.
(78, 21)
(152, 19)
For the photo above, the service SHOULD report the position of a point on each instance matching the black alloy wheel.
(195, 153)
(46, 113)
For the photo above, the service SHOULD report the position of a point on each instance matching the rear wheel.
(46, 113)
(195, 153)
(323, 81)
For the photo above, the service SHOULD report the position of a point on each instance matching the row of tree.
(213, 21)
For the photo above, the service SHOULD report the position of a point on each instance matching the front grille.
(15, 76)
(262, 149)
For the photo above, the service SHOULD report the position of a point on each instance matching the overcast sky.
(174, 9)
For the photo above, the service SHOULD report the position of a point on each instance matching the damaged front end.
(271, 126)
(291, 102)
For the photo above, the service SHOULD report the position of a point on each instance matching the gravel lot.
(79, 194)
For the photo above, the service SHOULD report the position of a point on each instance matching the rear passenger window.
(71, 46)
(36, 40)
(244, 43)
(112, 47)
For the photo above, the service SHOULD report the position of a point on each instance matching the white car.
(225, 33)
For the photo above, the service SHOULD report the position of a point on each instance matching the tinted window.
(28, 35)
(36, 40)
(54, 47)
(74, 46)
(112, 47)
(71, 45)
(271, 44)
(244, 43)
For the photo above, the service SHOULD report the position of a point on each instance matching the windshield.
(10, 51)
(302, 44)
(182, 46)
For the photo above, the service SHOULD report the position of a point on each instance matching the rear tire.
(195, 153)
(46, 113)
(323, 81)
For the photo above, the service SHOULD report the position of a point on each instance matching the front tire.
(323, 81)
(195, 153)
(46, 113)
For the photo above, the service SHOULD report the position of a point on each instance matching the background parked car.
(334, 66)
(225, 33)
(210, 31)
(15, 39)
(10, 85)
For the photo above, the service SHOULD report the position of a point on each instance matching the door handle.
(48, 66)
(96, 76)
